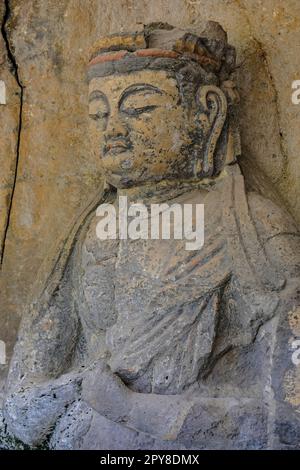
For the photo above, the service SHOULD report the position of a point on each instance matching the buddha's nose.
(115, 128)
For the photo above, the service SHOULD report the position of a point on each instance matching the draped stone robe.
(166, 320)
(160, 305)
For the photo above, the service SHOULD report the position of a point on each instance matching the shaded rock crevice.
(14, 67)
(280, 130)
(266, 61)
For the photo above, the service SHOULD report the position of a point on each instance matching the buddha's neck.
(168, 189)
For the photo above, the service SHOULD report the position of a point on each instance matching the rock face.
(51, 54)
(50, 175)
(10, 125)
(141, 343)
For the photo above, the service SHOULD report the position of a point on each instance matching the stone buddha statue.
(142, 344)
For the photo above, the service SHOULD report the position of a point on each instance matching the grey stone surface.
(143, 344)
(50, 41)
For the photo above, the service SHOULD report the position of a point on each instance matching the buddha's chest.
(132, 279)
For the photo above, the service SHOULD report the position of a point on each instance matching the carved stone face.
(140, 128)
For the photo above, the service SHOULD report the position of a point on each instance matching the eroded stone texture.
(50, 40)
(141, 343)
(9, 125)
(9, 116)
(54, 155)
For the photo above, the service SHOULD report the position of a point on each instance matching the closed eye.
(98, 106)
(98, 115)
(139, 99)
(137, 111)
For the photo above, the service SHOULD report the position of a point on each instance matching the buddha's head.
(159, 103)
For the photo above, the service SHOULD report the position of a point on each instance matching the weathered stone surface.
(51, 52)
(58, 172)
(9, 122)
(9, 125)
(140, 343)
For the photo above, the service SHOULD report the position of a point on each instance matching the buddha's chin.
(120, 179)
(123, 179)
(117, 154)
(130, 179)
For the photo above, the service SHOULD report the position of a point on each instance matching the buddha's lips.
(118, 146)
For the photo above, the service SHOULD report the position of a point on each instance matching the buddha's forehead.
(115, 85)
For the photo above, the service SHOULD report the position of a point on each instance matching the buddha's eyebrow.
(96, 95)
(132, 89)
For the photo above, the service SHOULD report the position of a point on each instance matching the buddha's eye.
(140, 101)
(98, 115)
(137, 111)
(98, 107)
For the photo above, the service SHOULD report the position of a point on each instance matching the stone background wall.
(47, 172)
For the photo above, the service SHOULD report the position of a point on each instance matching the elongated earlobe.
(213, 104)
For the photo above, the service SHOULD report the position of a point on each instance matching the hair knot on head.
(209, 49)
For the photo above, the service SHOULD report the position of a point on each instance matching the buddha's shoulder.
(91, 247)
(277, 231)
(269, 218)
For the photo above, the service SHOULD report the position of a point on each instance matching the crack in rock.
(15, 71)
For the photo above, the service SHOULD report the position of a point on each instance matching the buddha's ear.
(212, 105)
